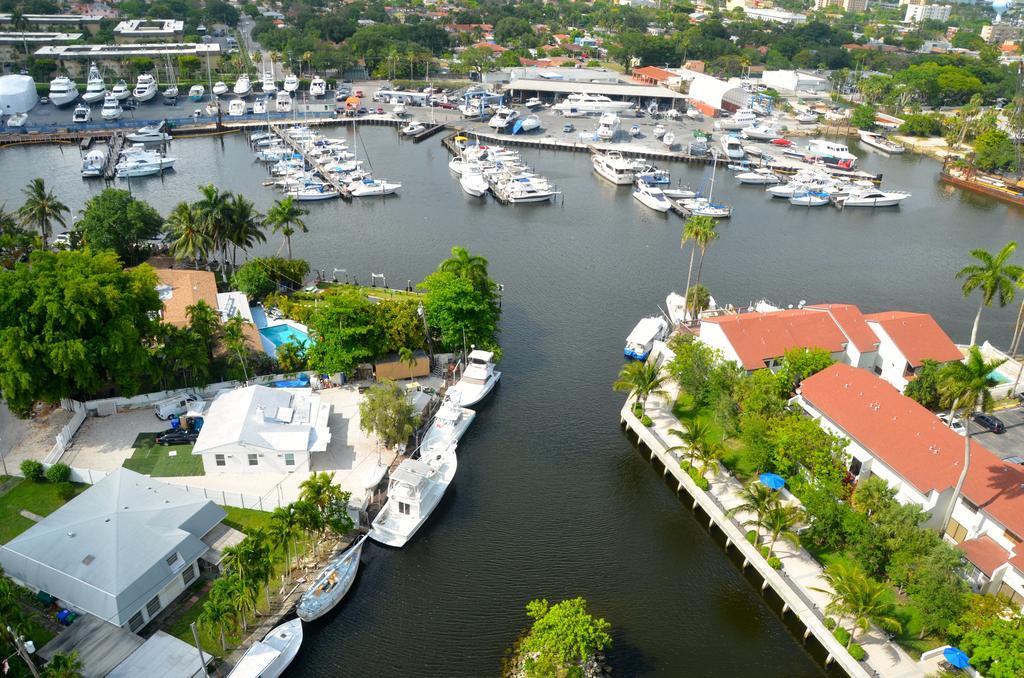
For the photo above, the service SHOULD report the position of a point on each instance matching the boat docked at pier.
(268, 658)
(762, 176)
(412, 129)
(369, 187)
(145, 87)
(731, 146)
(95, 88)
(331, 585)
(652, 196)
(196, 93)
(150, 134)
(641, 340)
(447, 427)
(612, 166)
(880, 143)
(309, 192)
(871, 197)
(478, 379)
(590, 104)
(831, 153)
(810, 198)
(236, 108)
(142, 164)
(473, 182)
(94, 162)
(415, 489)
(607, 126)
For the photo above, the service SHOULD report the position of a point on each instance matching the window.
(1016, 599)
(855, 466)
(404, 508)
(135, 623)
(218, 459)
(956, 531)
(289, 459)
(188, 575)
(153, 606)
(254, 460)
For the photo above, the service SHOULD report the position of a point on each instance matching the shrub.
(646, 421)
(842, 635)
(830, 623)
(638, 409)
(857, 652)
(65, 490)
(58, 473)
(32, 470)
(702, 483)
(765, 552)
(775, 563)
(752, 536)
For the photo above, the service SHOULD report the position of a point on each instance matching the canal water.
(551, 500)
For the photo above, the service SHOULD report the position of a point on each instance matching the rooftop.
(917, 336)
(607, 89)
(127, 51)
(984, 552)
(759, 337)
(154, 27)
(36, 37)
(180, 288)
(852, 323)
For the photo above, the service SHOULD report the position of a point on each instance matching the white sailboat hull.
(325, 593)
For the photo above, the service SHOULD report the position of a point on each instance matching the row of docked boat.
(814, 188)
(137, 159)
(500, 171)
(651, 186)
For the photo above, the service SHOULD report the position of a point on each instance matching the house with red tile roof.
(893, 437)
(495, 49)
(906, 340)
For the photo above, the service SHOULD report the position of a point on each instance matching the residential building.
(773, 15)
(149, 31)
(905, 341)
(918, 13)
(258, 428)
(652, 75)
(115, 58)
(845, 5)
(180, 288)
(999, 32)
(121, 551)
(15, 45)
(794, 81)
(58, 22)
(893, 437)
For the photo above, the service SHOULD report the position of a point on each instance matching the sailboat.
(331, 584)
(705, 207)
(171, 93)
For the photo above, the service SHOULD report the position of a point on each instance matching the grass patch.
(246, 519)
(39, 498)
(182, 630)
(736, 459)
(153, 460)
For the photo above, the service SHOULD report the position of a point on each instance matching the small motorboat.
(809, 199)
(806, 117)
(269, 657)
(243, 86)
(413, 128)
(679, 193)
(212, 108)
(370, 187)
(149, 134)
(652, 196)
(703, 207)
(758, 177)
(784, 143)
(694, 114)
(641, 340)
(220, 88)
(533, 103)
(196, 93)
(17, 120)
(120, 90)
(529, 123)
(236, 108)
(669, 139)
(310, 192)
(259, 106)
(880, 143)
(171, 94)
(659, 131)
(473, 183)
(649, 174)
(634, 131)
(331, 584)
(82, 114)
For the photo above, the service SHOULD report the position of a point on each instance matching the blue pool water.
(282, 334)
(998, 377)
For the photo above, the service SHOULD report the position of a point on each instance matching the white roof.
(279, 419)
(145, 27)
(715, 92)
(233, 303)
(646, 330)
(477, 354)
(608, 89)
(411, 471)
(17, 94)
(162, 656)
(93, 52)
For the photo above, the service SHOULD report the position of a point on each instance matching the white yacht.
(478, 379)
(591, 103)
(82, 114)
(806, 117)
(447, 427)
(220, 88)
(331, 585)
(120, 90)
(150, 134)
(291, 83)
(831, 153)
(641, 340)
(269, 657)
(63, 91)
(879, 142)
(143, 164)
(370, 187)
(17, 120)
(317, 86)
(268, 85)
(398, 110)
(196, 93)
(694, 113)
(872, 197)
(533, 103)
(243, 86)
(94, 162)
(731, 146)
(518, 190)
(529, 123)
(473, 182)
(145, 87)
(669, 139)
(259, 106)
(312, 191)
(659, 131)
(742, 118)
(283, 101)
(652, 196)
(762, 176)
(607, 126)
(95, 88)
(503, 117)
(758, 133)
(615, 168)
(414, 491)
(236, 108)
(111, 107)
(412, 129)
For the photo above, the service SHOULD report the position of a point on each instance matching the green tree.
(642, 379)
(214, 213)
(244, 225)
(282, 531)
(991, 632)
(872, 496)
(800, 363)
(562, 637)
(700, 232)
(924, 387)
(114, 220)
(456, 310)
(218, 615)
(800, 446)
(285, 217)
(853, 594)
(204, 321)
(470, 266)
(236, 342)
(41, 209)
(700, 441)
(15, 241)
(329, 500)
(779, 522)
(291, 356)
(757, 500)
(759, 393)
(344, 325)
(406, 356)
(994, 276)
(254, 280)
(191, 238)
(64, 666)
(937, 588)
(863, 117)
(386, 413)
(993, 149)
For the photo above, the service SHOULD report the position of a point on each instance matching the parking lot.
(1006, 444)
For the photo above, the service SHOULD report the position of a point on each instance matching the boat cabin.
(641, 340)
(409, 482)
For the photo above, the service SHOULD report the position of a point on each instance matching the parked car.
(177, 437)
(989, 422)
(957, 426)
(173, 407)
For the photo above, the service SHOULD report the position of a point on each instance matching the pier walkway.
(329, 177)
(799, 572)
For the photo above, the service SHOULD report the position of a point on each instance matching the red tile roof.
(491, 46)
(851, 322)
(917, 336)
(985, 553)
(653, 73)
(913, 442)
(1018, 561)
(757, 337)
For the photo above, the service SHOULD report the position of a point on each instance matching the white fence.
(66, 434)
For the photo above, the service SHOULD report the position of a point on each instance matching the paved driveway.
(103, 443)
(1009, 443)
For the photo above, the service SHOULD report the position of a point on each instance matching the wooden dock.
(329, 177)
(115, 144)
(429, 132)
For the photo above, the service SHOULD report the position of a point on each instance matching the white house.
(893, 437)
(778, 16)
(905, 341)
(258, 428)
(794, 81)
(122, 550)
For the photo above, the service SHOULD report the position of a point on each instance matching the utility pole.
(22, 648)
(202, 659)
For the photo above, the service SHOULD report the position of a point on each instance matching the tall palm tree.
(965, 388)
(470, 266)
(64, 666)
(218, 614)
(855, 595)
(310, 520)
(283, 523)
(698, 441)
(42, 209)
(405, 355)
(191, 240)
(707, 234)
(778, 522)
(284, 218)
(245, 226)
(214, 209)
(995, 278)
(756, 499)
(693, 229)
(642, 379)
(235, 340)
(259, 559)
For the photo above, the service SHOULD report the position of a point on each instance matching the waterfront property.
(181, 288)
(258, 428)
(116, 58)
(895, 438)
(122, 550)
(905, 341)
(149, 30)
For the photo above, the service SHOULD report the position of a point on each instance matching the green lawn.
(39, 498)
(154, 460)
(246, 519)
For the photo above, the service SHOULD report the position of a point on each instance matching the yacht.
(659, 131)
(810, 198)
(669, 139)
(317, 86)
(269, 657)
(171, 94)
(761, 176)
(398, 110)
(369, 187)
(652, 196)
(414, 491)
(220, 88)
(731, 146)
(63, 91)
(236, 108)
(111, 107)
(268, 85)
(758, 133)
(879, 142)
(413, 128)
(478, 378)
(829, 152)
(149, 134)
(872, 197)
(82, 114)
(529, 123)
(94, 162)
(519, 190)
(259, 106)
(143, 164)
(145, 87)
(615, 168)
(694, 114)
(641, 340)
(283, 101)
(447, 427)
(806, 117)
(312, 191)
(331, 585)
(243, 86)
(475, 108)
(95, 88)
(649, 174)
(196, 92)
(503, 117)
(533, 103)
(591, 103)
(742, 118)
(473, 182)
(608, 126)
(17, 120)
(291, 83)
(120, 91)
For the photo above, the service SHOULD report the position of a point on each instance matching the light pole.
(25, 648)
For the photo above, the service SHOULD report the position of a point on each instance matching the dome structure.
(17, 94)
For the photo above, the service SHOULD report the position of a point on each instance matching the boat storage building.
(17, 94)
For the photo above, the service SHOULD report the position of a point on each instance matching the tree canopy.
(562, 636)
(386, 413)
(114, 220)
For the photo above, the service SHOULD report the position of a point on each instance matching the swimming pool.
(284, 333)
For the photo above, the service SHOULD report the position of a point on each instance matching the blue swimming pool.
(282, 334)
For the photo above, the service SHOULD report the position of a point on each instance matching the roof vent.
(71, 534)
(933, 449)
(88, 559)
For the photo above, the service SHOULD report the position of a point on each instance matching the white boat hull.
(324, 595)
(474, 185)
(391, 529)
(659, 205)
(271, 656)
(467, 395)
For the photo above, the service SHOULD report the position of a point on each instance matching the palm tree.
(235, 340)
(191, 240)
(310, 519)
(245, 225)
(693, 229)
(284, 217)
(855, 595)
(282, 531)
(757, 499)
(259, 559)
(215, 213)
(64, 666)
(698, 441)
(705, 235)
(778, 523)
(41, 209)
(993, 276)
(466, 265)
(405, 355)
(965, 388)
(642, 379)
(217, 614)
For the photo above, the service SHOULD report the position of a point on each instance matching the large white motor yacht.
(236, 108)
(591, 103)
(121, 90)
(283, 102)
(503, 117)
(615, 168)
(145, 87)
(414, 491)
(269, 657)
(63, 91)
(608, 126)
(242, 86)
(149, 134)
(94, 162)
(652, 197)
(450, 422)
(95, 88)
(82, 114)
(742, 118)
(478, 379)
(732, 146)
(291, 83)
(317, 86)
(111, 107)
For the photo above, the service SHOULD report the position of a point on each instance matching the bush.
(701, 482)
(857, 652)
(752, 536)
(65, 491)
(775, 563)
(842, 635)
(646, 421)
(58, 473)
(638, 409)
(830, 623)
(765, 552)
(32, 470)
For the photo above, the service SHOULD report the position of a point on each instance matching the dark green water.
(550, 499)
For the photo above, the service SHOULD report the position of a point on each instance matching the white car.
(957, 426)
